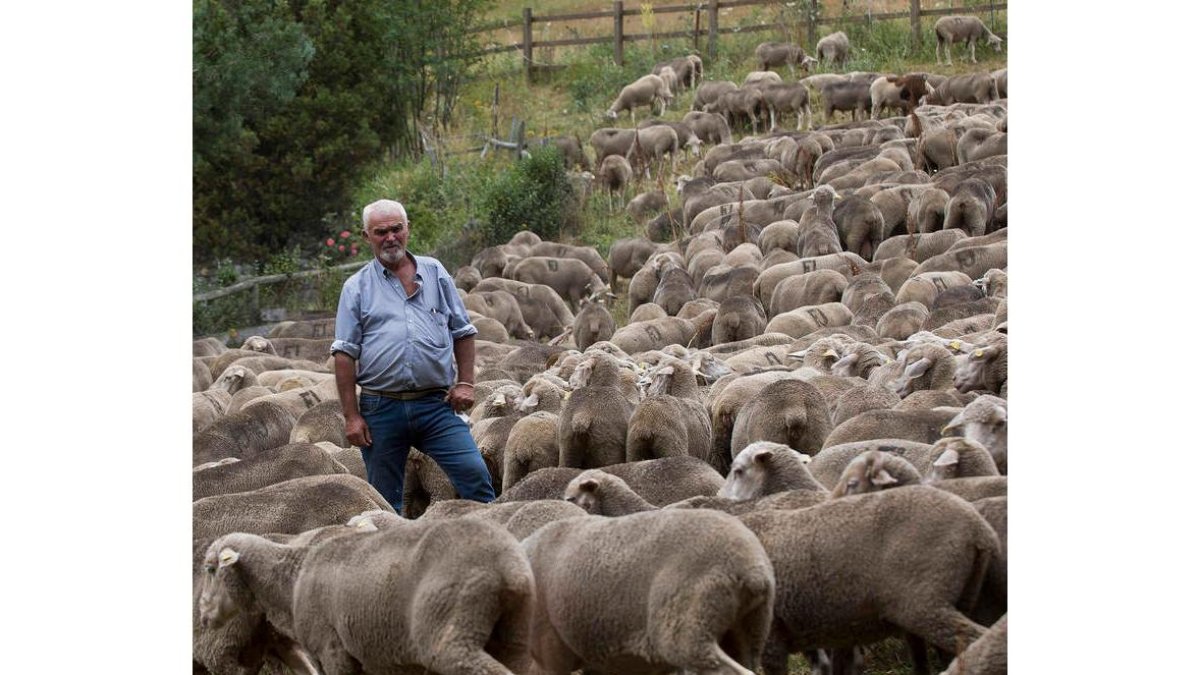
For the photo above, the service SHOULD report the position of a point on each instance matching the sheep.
(651, 144)
(925, 288)
(593, 424)
(926, 367)
(873, 471)
(807, 289)
(297, 400)
(789, 411)
(774, 54)
(985, 421)
(467, 580)
(859, 225)
(543, 392)
(828, 465)
(235, 378)
(834, 49)
(681, 589)
(902, 320)
(923, 426)
(850, 96)
(244, 433)
(988, 655)
(593, 323)
(738, 318)
(960, 458)
(641, 208)
(659, 481)
(532, 444)
(985, 369)
(960, 28)
(521, 519)
(425, 483)
(276, 465)
(764, 468)
(860, 399)
(208, 407)
(674, 289)
(898, 93)
(724, 281)
(671, 420)
(921, 247)
(787, 98)
(615, 174)
(609, 141)
(503, 307)
(1001, 77)
(745, 101)
(689, 69)
(971, 207)
(201, 375)
(208, 346)
(315, 328)
(572, 278)
(646, 90)
(818, 234)
(977, 144)
(600, 493)
(803, 321)
(708, 127)
(656, 334)
(932, 546)
(968, 88)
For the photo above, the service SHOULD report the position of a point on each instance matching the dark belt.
(406, 395)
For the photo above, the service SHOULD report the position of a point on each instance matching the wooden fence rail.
(712, 29)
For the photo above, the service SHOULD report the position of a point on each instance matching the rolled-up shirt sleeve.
(460, 323)
(347, 329)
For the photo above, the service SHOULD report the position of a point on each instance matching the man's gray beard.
(392, 256)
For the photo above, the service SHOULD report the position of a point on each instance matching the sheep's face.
(747, 477)
(984, 420)
(971, 373)
(583, 372)
(259, 344)
(584, 492)
(944, 467)
(822, 356)
(866, 473)
(231, 380)
(912, 378)
(996, 42)
(222, 591)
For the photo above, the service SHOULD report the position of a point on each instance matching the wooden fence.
(711, 28)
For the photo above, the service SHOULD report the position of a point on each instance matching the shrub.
(534, 194)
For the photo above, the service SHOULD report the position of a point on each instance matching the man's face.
(388, 237)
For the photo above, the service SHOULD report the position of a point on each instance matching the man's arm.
(345, 374)
(462, 397)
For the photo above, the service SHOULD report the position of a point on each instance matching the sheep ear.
(530, 400)
(762, 455)
(669, 370)
(589, 485)
(917, 369)
(228, 557)
(883, 478)
(947, 458)
(499, 399)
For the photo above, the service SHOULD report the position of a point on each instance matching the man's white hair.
(387, 208)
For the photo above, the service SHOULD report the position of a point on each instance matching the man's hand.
(461, 397)
(357, 431)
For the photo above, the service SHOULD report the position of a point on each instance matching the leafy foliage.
(534, 194)
(294, 102)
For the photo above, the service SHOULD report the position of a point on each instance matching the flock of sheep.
(797, 444)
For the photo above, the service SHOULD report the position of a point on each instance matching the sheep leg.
(971, 44)
(337, 661)
(298, 660)
(920, 656)
(946, 628)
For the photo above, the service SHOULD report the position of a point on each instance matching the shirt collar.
(380, 269)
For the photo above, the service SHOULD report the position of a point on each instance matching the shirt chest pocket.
(429, 326)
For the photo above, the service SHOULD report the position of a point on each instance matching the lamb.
(316, 328)
(646, 90)
(467, 580)
(764, 468)
(985, 421)
(976, 144)
(932, 545)
(682, 589)
(873, 471)
(960, 458)
(791, 412)
(244, 433)
(834, 49)
(959, 28)
(671, 420)
(923, 426)
(276, 465)
(659, 481)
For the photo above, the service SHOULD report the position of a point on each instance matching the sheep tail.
(987, 553)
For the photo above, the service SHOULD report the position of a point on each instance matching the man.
(398, 320)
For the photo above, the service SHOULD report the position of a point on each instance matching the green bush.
(534, 194)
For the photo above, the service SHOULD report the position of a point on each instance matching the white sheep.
(646, 90)
(969, 29)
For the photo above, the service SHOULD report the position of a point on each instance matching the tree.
(295, 100)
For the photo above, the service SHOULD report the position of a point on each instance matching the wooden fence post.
(527, 46)
(812, 24)
(619, 32)
(696, 30)
(914, 19)
(712, 30)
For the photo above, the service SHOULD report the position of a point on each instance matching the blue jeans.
(429, 425)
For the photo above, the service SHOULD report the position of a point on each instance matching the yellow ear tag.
(978, 353)
(955, 345)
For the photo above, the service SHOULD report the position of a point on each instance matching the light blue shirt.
(401, 343)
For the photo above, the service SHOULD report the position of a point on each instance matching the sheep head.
(259, 343)
(984, 420)
(866, 473)
(751, 469)
(972, 373)
(223, 593)
(585, 489)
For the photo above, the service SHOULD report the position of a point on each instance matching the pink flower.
(341, 247)
(344, 234)
(329, 242)
(353, 250)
